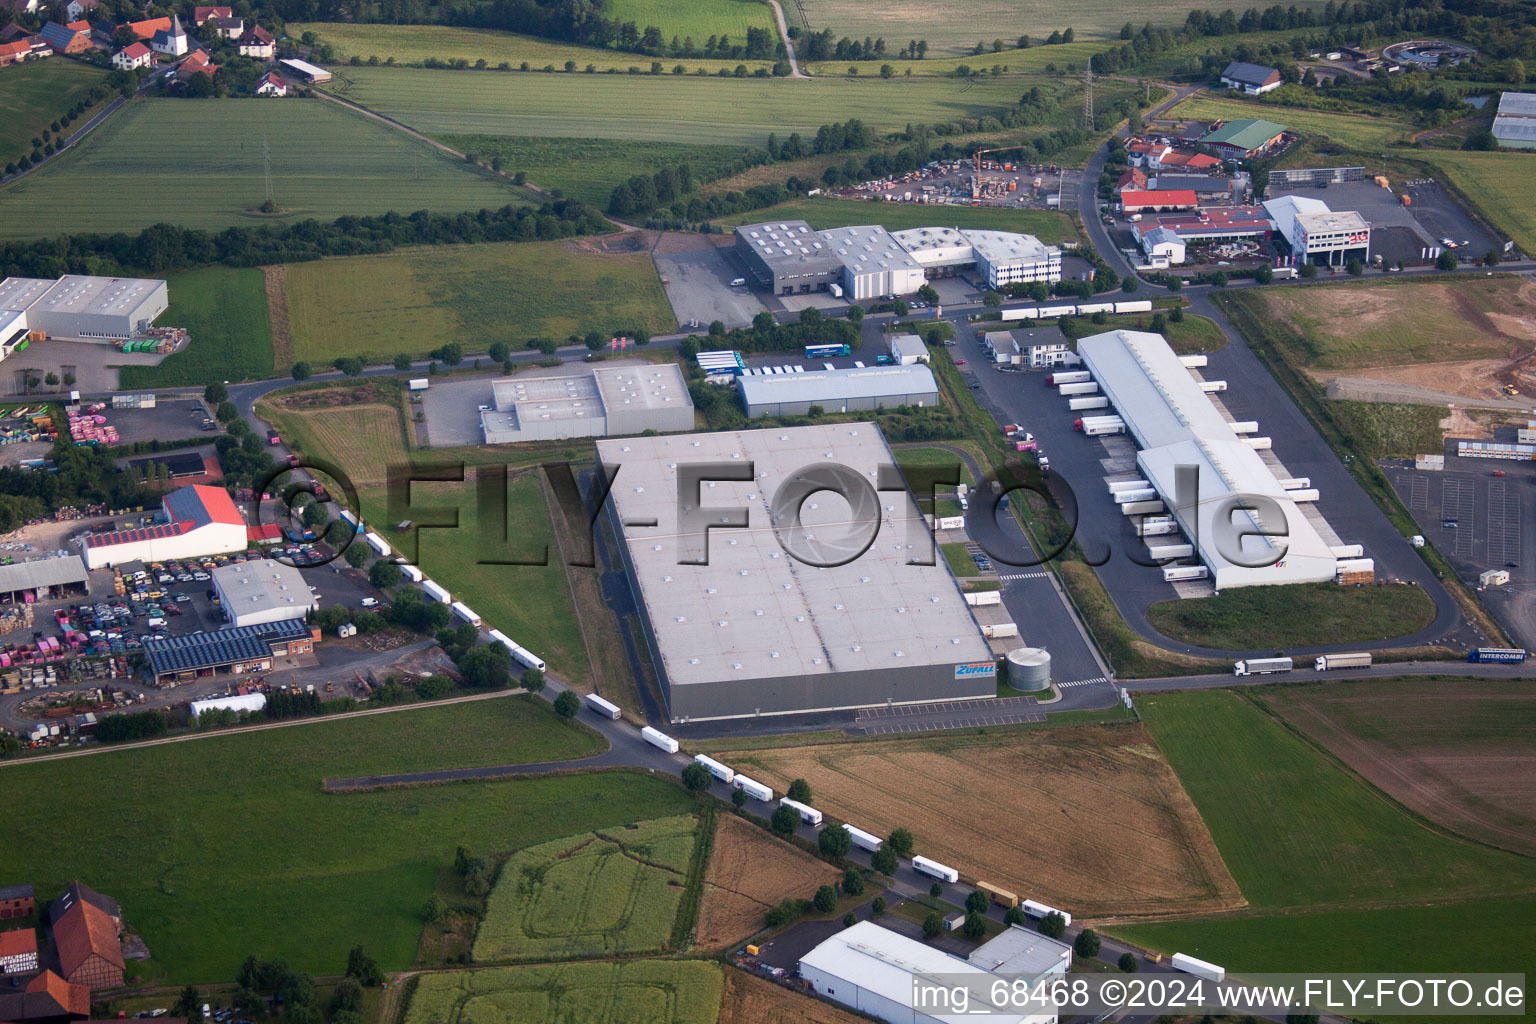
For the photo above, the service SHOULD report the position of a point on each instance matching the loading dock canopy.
(1176, 424)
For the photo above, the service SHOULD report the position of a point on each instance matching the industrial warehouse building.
(241, 650)
(594, 403)
(255, 593)
(78, 307)
(40, 578)
(790, 257)
(852, 389)
(1175, 424)
(875, 971)
(1514, 126)
(1316, 234)
(741, 627)
(1242, 138)
(193, 522)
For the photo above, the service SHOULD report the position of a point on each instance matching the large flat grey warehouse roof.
(788, 243)
(20, 292)
(1521, 104)
(103, 295)
(851, 382)
(1006, 246)
(602, 395)
(262, 585)
(868, 247)
(754, 611)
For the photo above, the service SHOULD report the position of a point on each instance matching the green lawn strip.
(959, 559)
(225, 847)
(1296, 828)
(1304, 615)
(208, 164)
(224, 310)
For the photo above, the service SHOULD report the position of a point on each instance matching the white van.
(739, 282)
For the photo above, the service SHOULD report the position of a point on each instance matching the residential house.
(272, 84)
(259, 43)
(14, 53)
(40, 48)
(1146, 154)
(145, 30)
(136, 56)
(67, 38)
(1202, 162)
(1250, 79)
(11, 32)
(1044, 354)
(78, 892)
(1154, 200)
(90, 952)
(77, 9)
(1162, 246)
(16, 901)
(171, 41)
(197, 63)
(202, 14)
(18, 951)
(1133, 178)
(226, 28)
(45, 999)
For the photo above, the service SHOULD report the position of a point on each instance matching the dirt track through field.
(1090, 819)
(749, 872)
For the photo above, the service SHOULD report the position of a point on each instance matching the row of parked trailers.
(1078, 309)
(1322, 663)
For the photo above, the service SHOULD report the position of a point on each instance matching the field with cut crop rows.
(416, 43)
(1129, 841)
(665, 108)
(594, 894)
(632, 992)
(206, 162)
(749, 872)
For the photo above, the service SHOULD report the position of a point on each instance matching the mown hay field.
(1092, 820)
(409, 44)
(601, 893)
(1298, 830)
(363, 440)
(664, 108)
(630, 992)
(1461, 753)
(416, 300)
(32, 96)
(749, 872)
(205, 160)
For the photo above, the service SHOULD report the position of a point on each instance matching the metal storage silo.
(1029, 669)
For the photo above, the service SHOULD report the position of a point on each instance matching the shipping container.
(1067, 377)
(981, 599)
(1089, 308)
(466, 613)
(1304, 494)
(1296, 483)
(1050, 312)
(1002, 897)
(1194, 362)
(1259, 444)
(863, 840)
(952, 522)
(436, 592)
(1261, 666)
(1356, 659)
(1213, 386)
(718, 770)
(418, 383)
(933, 869)
(756, 790)
(1134, 306)
(606, 708)
(1085, 404)
(1199, 968)
(1166, 551)
(1156, 526)
(1181, 573)
(1145, 494)
(526, 658)
(657, 738)
(1086, 387)
(1029, 313)
(1039, 911)
(808, 814)
(1348, 551)
(1245, 427)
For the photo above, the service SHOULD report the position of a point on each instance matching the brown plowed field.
(1093, 819)
(1462, 754)
(750, 871)
(752, 1000)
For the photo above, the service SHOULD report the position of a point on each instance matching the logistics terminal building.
(1175, 424)
(592, 403)
(756, 630)
(790, 258)
(80, 307)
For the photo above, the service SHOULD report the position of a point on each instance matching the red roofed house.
(67, 38)
(197, 63)
(47, 999)
(90, 953)
(195, 522)
(258, 42)
(1133, 201)
(202, 14)
(18, 951)
(146, 30)
(272, 84)
(130, 57)
(14, 53)
(1191, 161)
(1133, 178)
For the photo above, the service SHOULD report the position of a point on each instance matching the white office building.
(1001, 257)
(1317, 234)
(873, 263)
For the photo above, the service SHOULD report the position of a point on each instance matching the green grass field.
(530, 603)
(1014, 61)
(698, 19)
(1050, 226)
(33, 94)
(409, 44)
(1357, 131)
(953, 27)
(1254, 618)
(1499, 184)
(960, 561)
(633, 992)
(414, 300)
(664, 108)
(224, 847)
(206, 162)
(1296, 829)
(1382, 430)
(603, 893)
(1491, 936)
(589, 169)
(225, 311)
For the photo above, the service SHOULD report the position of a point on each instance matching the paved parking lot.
(698, 285)
(1433, 216)
(171, 420)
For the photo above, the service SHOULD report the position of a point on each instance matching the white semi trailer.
(1261, 666)
(1354, 659)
